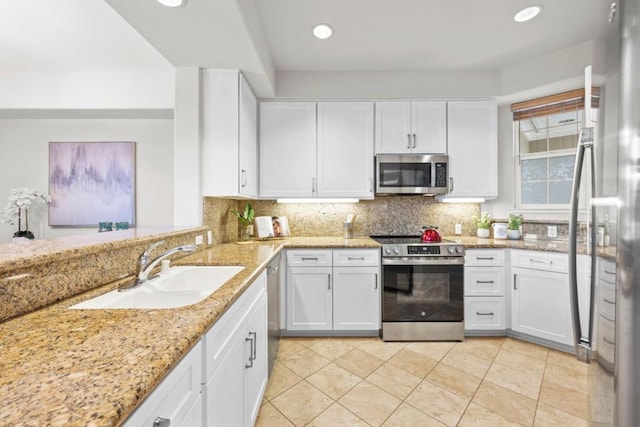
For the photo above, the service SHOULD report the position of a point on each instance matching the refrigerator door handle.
(582, 343)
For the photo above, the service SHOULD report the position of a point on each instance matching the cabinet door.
(248, 141)
(356, 298)
(393, 127)
(429, 127)
(345, 149)
(256, 355)
(540, 305)
(287, 149)
(224, 393)
(472, 148)
(220, 132)
(309, 306)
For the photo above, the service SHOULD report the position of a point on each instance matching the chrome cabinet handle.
(414, 140)
(376, 281)
(613, 273)
(484, 281)
(608, 341)
(609, 301)
(329, 281)
(255, 346)
(244, 177)
(161, 422)
(311, 258)
(484, 313)
(313, 186)
(250, 364)
(540, 261)
(515, 283)
(370, 185)
(408, 140)
(484, 258)
(355, 258)
(610, 320)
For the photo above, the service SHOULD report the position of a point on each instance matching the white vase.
(513, 234)
(483, 233)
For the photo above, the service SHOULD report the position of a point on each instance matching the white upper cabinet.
(287, 149)
(325, 155)
(229, 135)
(411, 127)
(473, 148)
(345, 149)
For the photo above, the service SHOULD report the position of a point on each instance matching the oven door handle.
(423, 261)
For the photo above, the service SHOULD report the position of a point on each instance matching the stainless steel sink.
(179, 287)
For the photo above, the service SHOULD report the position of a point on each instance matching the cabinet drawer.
(606, 339)
(607, 299)
(537, 260)
(607, 271)
(175, 396)
(484, 281)
(356, 258)
(490, 257)
(315, 258)
(484, 313)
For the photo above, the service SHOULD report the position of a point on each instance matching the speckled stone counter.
(66, 367)
(93, 367)
(562, 246)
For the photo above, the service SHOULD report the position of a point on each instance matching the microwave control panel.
(441, 175)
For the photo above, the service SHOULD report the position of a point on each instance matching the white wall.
(24, 144)
(77, 89)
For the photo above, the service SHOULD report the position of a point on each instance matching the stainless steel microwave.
(412, 174)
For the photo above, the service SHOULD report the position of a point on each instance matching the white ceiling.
(262, 37)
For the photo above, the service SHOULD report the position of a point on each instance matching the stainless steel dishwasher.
(273, 295)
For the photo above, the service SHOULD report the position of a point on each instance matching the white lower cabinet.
(335, 290)
(540, 300)
(176, 400)
(484, 292)
(235, 361)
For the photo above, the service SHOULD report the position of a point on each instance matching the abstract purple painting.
(91, 182)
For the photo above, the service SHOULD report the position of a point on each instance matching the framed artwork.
(91, 182)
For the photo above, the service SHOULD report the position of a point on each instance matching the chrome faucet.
(144, 267)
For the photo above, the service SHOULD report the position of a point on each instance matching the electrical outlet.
(199, 239)
(552, 231)
(458, 229)
(209, 237)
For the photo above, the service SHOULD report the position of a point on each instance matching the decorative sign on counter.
(272, 226)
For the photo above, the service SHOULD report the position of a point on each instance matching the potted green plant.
(513, 227)
(482, 223)
(246, 220)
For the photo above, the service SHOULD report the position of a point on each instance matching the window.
(546, 133)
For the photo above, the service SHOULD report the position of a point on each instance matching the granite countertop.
(94, 367)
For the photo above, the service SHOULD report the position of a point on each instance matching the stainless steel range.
(423, 286)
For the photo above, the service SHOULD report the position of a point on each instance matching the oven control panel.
(423, 250)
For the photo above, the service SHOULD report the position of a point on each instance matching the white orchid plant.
(20, 198)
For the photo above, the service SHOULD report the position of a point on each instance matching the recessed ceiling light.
(323, 31)
(527, 13)
(172, 3)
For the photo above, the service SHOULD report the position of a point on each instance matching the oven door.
(423, 289)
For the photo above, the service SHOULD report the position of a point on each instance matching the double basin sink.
(179, 287)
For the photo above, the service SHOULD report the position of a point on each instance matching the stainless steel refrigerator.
(610, 339)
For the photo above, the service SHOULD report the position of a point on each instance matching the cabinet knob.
(161, 422)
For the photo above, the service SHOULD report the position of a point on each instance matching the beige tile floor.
(479, 382)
